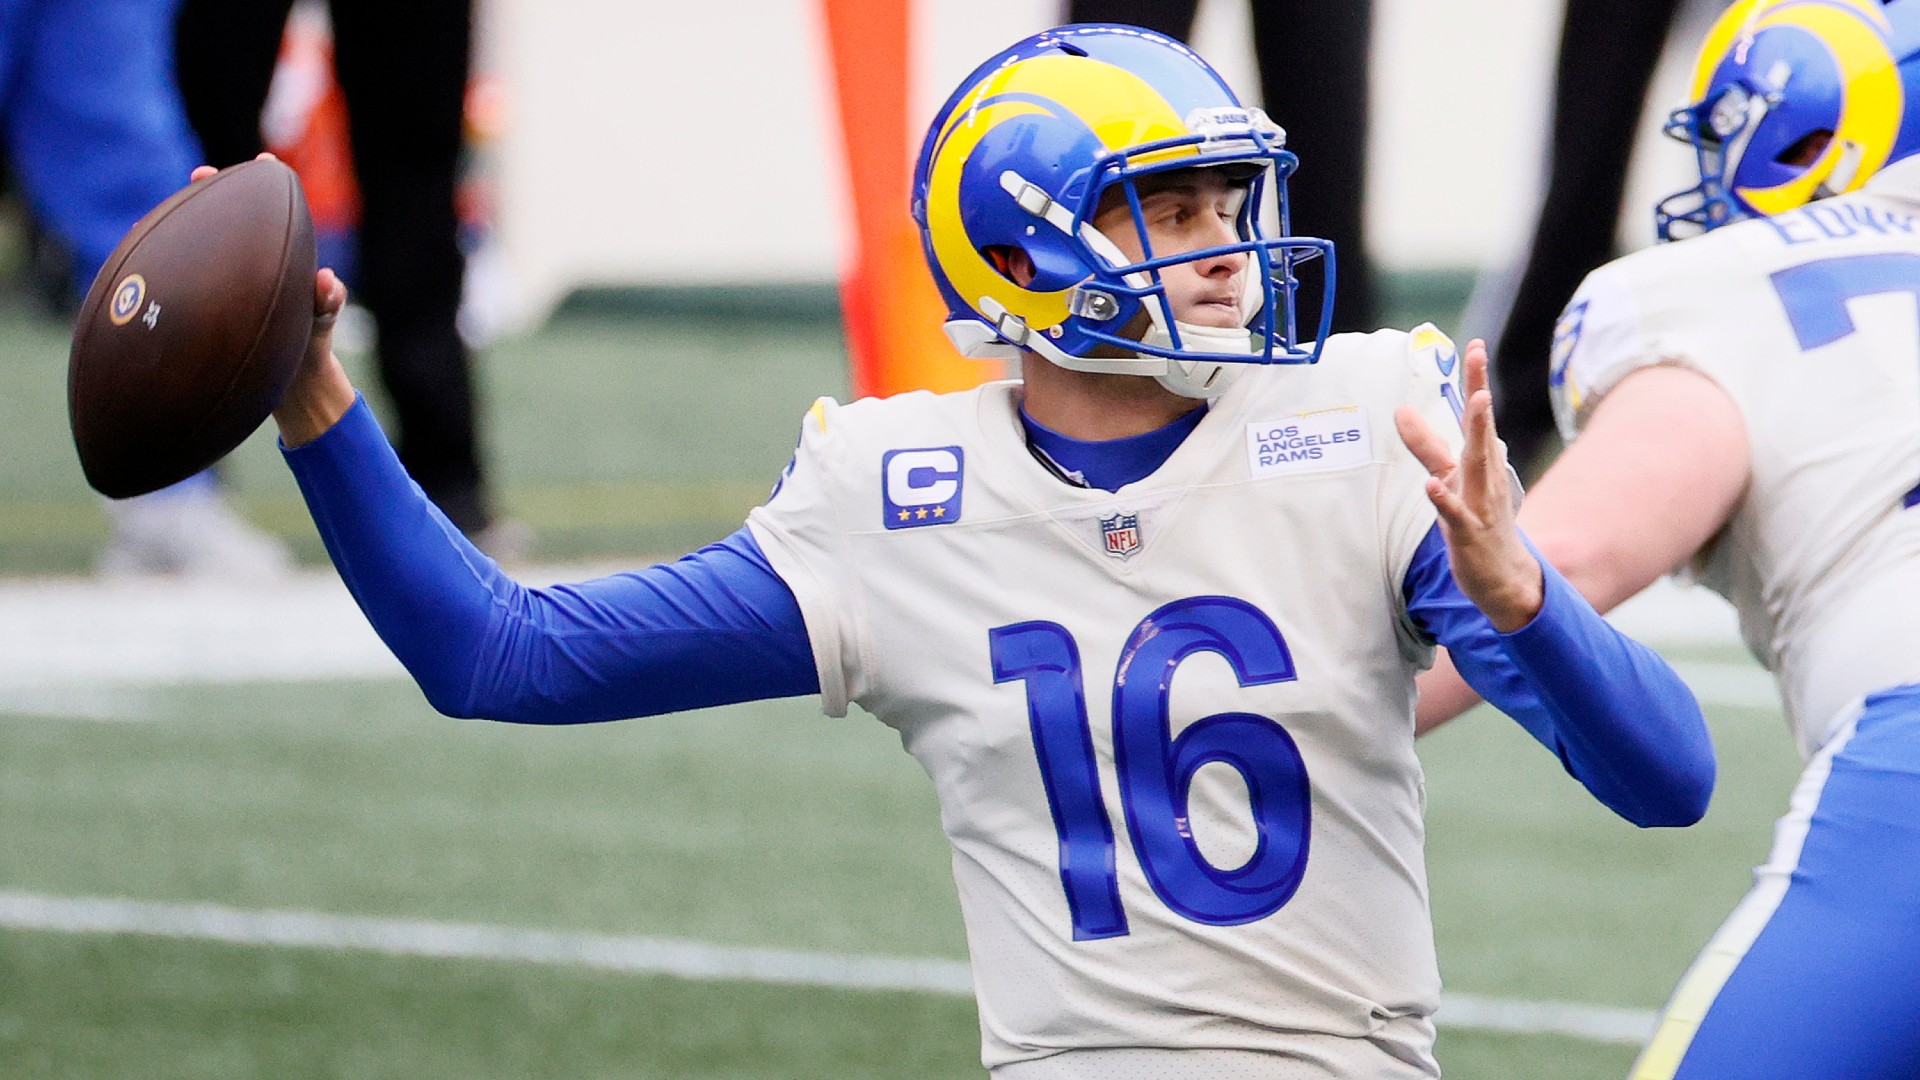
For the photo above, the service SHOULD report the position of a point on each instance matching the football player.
(1748, 410)
(1149, 618)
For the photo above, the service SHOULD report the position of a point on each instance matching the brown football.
(193, 329)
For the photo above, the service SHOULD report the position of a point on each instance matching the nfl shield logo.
(1121, 533)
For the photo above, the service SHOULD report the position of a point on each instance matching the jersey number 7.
(1155, 769)
(1815, 297)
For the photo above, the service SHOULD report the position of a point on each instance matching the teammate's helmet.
(1020, 157)
(1793, 100)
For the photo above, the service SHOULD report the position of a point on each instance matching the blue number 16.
(1156, 770)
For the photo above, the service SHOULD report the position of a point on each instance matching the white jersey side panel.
(1809, 322)
(1090, 678)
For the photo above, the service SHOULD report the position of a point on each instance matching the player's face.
(1186, 211)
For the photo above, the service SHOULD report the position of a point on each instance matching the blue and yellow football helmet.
(1793, 100)
(1020, 157)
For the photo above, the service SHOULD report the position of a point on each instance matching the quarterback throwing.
(1149, 616)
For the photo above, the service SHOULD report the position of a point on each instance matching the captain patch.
(1312, 442)
(920, 486)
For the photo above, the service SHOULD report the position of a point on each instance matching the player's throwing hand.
(1475, 499)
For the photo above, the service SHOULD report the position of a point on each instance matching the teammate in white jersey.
(1149, 618)
(1748, 410)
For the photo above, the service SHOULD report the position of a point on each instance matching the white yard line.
(661, 956)
(1595, 1023)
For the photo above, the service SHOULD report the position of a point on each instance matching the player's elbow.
(1682, 799)
(452, 691)
(448, 697)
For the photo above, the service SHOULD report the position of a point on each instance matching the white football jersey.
(1170, 727)
(1808, 321)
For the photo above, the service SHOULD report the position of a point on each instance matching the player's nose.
(1223, 264)
(1215, 232)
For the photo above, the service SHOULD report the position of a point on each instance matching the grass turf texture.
(754, 825)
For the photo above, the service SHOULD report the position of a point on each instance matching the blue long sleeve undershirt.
(720, 626)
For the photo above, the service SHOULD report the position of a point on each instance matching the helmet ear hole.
(1805, 150)
(1011, 263)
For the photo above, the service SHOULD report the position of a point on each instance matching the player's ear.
(1013, 263)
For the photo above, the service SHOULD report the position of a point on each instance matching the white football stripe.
(661, 956)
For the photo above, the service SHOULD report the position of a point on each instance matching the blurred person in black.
(1313, 78)
(1608, 52)
(403, 69)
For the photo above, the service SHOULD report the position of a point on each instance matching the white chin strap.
(1201, 378)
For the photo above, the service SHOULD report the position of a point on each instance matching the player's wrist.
(320, 395)
(1519, 598)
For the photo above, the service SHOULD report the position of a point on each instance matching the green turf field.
(762, 825)
(615, 434)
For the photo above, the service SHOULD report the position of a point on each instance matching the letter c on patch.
(921, 486)
(923, 477)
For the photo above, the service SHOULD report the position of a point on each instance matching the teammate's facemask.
(1022, 155)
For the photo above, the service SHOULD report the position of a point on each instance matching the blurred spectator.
(1313, 79)
(96, 138)
(403, 69)
(1608, 52)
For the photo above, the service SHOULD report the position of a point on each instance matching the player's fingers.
(1496, 484)
(201, 173)
(1425, 444)
(1455, 517)
(1477, 367)
(266, 155)
(1474, 451)
(329, 295)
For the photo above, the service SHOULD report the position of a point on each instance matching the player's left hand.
(1475, 499)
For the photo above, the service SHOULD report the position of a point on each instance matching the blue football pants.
(1816, 975)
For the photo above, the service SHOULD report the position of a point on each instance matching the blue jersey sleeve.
(715, 627)
(1615, 714)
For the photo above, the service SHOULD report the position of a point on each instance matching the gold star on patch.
(921, 513)
(939, 511)
(905, 514)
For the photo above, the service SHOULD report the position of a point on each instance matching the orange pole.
(891, 307)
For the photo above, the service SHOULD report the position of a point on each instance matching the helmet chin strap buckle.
(1009, 326)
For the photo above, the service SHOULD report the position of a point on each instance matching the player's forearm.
(410, 571)
(1603, 565)
(1615, 713)
(716, 627)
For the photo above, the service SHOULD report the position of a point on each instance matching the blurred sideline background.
(663, 219)
(621, 111)
(643, 174)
